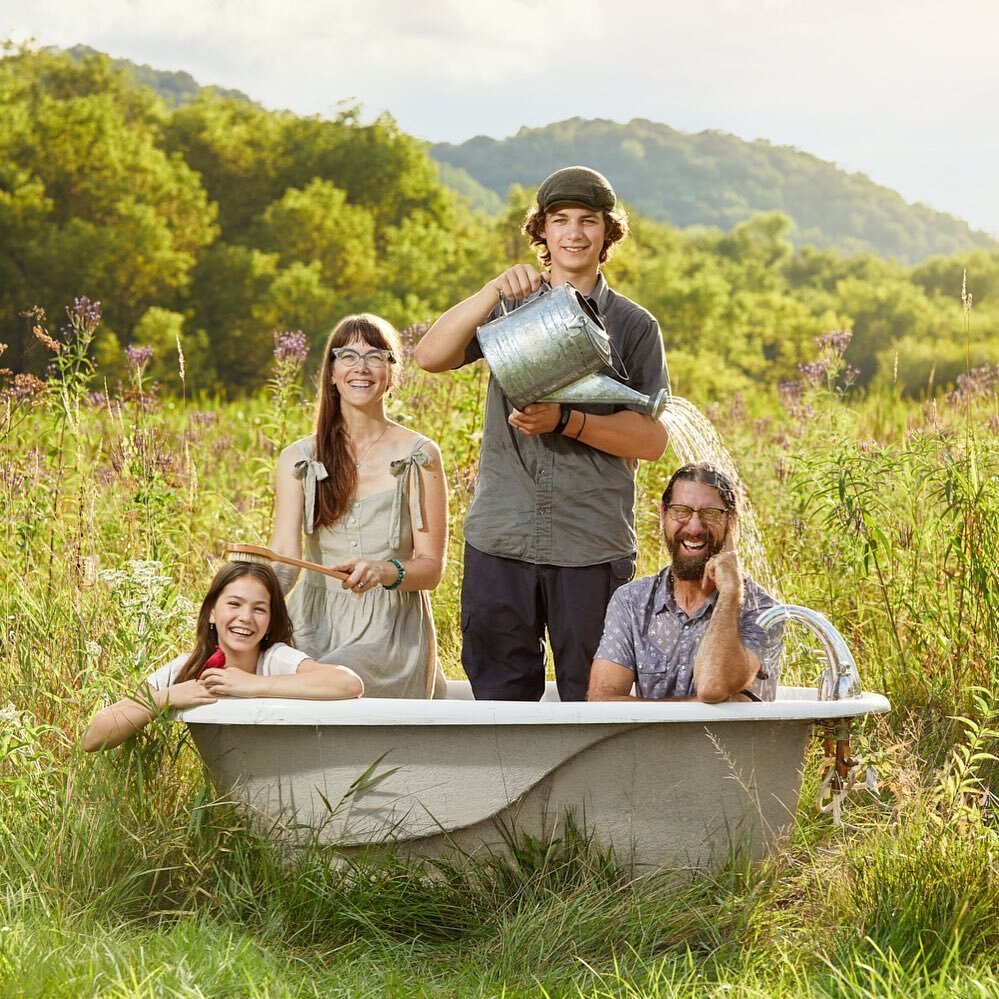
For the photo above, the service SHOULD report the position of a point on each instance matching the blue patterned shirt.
(647, 632)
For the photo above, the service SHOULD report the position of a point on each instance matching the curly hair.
(535, 220)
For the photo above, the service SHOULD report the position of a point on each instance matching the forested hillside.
(716, 179)
(207, 227)
(175, 86)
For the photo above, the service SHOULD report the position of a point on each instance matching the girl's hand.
(190, 694)
(230, 682)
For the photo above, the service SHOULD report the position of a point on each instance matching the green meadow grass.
(122, 875)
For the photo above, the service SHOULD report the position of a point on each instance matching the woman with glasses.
(369, 498)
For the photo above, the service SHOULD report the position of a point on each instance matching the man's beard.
(691, 567)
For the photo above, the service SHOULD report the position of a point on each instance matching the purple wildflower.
(834, 341)
(290, 346)
(222, 446)
(814, 372)
(790, 392)
(411, 336)
(138, 357)
(84, 312)
(974, 384)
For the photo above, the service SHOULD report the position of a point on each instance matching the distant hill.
(708, 179)
(717, 179)
(175, 87)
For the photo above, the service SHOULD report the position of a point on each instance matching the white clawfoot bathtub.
(679, 783)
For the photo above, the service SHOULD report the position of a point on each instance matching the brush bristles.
(247, 557)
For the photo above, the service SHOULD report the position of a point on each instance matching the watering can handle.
(623, 372)
(503, 299)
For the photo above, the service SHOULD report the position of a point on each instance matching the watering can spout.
(599, 388)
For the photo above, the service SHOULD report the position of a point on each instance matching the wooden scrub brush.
(258, 553)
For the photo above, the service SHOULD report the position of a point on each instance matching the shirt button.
(353, 544)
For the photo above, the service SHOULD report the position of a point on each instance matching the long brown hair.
(535, 220)
(334, 493)
(205, 641)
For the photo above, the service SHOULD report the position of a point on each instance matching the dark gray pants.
(506, 607)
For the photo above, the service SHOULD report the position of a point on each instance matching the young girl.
(243, 617)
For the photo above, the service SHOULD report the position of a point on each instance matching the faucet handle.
(827, 684)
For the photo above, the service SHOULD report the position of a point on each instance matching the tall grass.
(123, 875)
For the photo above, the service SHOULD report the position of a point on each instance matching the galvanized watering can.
(552, 350)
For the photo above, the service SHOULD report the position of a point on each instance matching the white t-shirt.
(278, 660)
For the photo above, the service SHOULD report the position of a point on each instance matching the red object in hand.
(215, 660)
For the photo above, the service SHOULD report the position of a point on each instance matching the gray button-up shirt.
(548, 499)
(646, 631)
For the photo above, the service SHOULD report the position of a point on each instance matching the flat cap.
(577, 185)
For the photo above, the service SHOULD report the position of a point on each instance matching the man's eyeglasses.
(350, 358)
(711, 515)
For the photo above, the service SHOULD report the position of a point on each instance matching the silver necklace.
(360, 458)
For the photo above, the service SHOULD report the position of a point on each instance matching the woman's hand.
(363, 575)
(230, 681)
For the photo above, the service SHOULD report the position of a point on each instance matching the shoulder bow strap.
(404, 470)
(310, 472)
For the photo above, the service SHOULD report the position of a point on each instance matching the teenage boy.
(550, 533)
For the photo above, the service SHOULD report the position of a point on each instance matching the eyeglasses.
(711, 515)
(350, 358)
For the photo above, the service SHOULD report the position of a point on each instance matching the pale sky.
(902, 90)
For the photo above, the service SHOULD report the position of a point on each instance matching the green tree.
(230, 282)
(96, 207)
(377, 165)
(236, 149)
(316, 224)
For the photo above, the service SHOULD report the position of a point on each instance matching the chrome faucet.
(840, 678)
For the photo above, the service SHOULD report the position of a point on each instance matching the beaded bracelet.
(399, 578)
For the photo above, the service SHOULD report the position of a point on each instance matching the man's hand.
(724, 573)
(518, 281)
(537, 418)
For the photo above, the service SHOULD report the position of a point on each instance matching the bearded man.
(690, 632)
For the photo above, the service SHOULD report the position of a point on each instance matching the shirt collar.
(597, 298)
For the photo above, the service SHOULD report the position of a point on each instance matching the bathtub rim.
(792, 704)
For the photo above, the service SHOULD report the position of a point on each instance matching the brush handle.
(271, 556)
